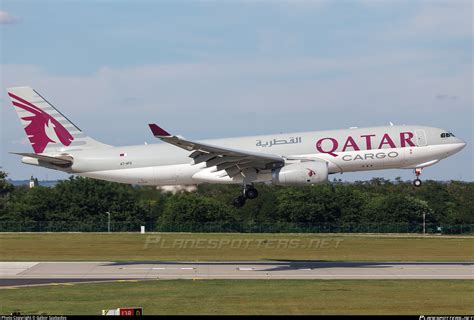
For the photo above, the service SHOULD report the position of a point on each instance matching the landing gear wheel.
(417, 182)
(251, 193)
(239, 202)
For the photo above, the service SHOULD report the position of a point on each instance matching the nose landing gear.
(248, 192)
(417, 181)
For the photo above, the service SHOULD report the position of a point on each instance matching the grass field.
(248, 297)
(212, 246)
(240, 296)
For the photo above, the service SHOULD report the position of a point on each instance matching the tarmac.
(40, 273)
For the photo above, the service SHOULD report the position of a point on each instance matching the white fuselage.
(296, 158)
(347, 150)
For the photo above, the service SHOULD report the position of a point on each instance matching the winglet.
(158, 132)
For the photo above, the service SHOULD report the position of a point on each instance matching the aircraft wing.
(233, 161)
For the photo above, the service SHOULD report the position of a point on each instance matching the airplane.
(296, 159)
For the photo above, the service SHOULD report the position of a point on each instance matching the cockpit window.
(447, 135)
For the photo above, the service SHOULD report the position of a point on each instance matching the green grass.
(248, 297)
(212, 246)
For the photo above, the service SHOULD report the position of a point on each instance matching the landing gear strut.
(417, 181)
(248, 192)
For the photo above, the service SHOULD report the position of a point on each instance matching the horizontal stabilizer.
(64, 160)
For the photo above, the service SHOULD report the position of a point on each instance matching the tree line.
(378, 205)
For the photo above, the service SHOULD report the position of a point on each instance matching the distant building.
(33, 182)
(177, 188)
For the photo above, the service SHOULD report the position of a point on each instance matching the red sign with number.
(130, 311)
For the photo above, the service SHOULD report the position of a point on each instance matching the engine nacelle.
(301, 173)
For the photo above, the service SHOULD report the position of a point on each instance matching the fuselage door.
(420, 138)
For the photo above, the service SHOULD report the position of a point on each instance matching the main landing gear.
(417, 181)
(248, 192)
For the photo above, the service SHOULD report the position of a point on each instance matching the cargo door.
(420, 138)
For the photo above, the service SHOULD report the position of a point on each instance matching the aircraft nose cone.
(459, 146)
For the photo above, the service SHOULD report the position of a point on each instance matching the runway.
(30, 273)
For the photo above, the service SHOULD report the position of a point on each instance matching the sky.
(211, 69)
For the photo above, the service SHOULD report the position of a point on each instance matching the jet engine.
(301, 173)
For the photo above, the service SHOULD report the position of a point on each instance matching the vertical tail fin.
(48, 129)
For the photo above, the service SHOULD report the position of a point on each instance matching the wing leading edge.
(232, 162)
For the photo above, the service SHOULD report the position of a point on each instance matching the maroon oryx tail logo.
(311, 172)
(40, 127)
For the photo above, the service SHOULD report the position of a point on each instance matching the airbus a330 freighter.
(303, 158)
